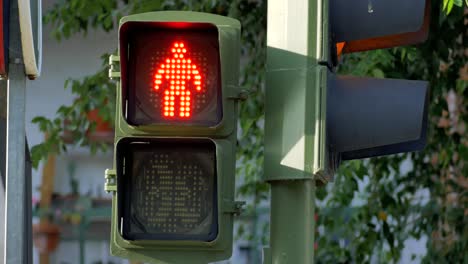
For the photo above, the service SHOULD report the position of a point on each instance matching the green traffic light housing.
(207, 74)
(323, 118)
(175, 142)
(368, 117)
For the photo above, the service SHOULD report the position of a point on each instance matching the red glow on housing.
(177, 90)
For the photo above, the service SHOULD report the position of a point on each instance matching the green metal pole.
(295, 124)
(292, 221)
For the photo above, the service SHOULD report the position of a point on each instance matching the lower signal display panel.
(167, 189)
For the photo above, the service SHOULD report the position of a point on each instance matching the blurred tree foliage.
(374, 205)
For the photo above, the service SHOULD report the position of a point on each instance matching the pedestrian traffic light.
(323, 118)
(175, 141)
(178, 94)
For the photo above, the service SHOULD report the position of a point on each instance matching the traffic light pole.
(295, 121)
(17, 238)
(292, 221)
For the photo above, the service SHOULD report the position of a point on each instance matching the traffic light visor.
(370, 117)
(167, 189)
(171, 73)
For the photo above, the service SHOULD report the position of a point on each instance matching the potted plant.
(88, 121)
(46, 234)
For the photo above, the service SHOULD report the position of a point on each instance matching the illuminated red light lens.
(181, 98)
(171, 66)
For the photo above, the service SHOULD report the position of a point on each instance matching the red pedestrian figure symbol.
(180, 74)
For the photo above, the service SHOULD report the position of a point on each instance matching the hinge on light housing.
(114, 72)
(233, 207)
(234, 93)
(111, 184)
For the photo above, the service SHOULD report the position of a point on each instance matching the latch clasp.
(111, 181)
(114, 71)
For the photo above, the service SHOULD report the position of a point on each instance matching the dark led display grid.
(168, 190)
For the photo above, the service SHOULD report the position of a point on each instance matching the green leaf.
(450, 6)
(245, 125)
(445, 3)
(378, 73)
(461, 85)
